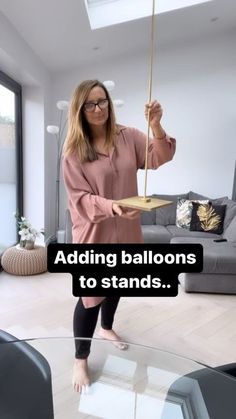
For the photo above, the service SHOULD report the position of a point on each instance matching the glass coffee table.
(138, 383)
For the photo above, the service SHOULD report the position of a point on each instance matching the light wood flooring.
(198, 326)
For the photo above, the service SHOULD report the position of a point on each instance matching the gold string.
(149, 98)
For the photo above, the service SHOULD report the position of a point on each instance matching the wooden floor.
(198, 326)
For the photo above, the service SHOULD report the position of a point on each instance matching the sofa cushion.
(184, 212)
(194, 195)
(148, 217)
(230, 231)
(182, 232)
(230, 211)
(219, 257)
(167, 215)
(208, 218)
(210, 283)
(155, 234)
(217, 201)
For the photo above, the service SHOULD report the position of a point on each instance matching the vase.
(27, 244)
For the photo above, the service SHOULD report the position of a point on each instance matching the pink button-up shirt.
(93, 186)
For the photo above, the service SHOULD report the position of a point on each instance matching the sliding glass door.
(11, 168)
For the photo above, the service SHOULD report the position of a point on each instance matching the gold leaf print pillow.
(208, 218)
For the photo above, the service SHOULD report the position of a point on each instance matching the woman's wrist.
(161, 138)
(158, 132)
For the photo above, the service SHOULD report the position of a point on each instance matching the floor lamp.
(58, 132)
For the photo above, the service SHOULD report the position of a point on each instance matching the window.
(11, 160)
(104, 13)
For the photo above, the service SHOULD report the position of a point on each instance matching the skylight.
(104, 13)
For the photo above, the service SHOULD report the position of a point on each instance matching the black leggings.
(85, 320)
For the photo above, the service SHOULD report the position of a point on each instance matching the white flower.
(35, 233)
(31, 237)
(23, 235)
(26, 231)
(23, 231)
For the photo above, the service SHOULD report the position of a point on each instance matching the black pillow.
(208, 218)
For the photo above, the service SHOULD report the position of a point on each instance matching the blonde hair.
(78, 135)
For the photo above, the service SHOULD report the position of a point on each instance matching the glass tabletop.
(138, 383)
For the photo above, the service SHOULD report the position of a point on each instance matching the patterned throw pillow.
(184, 212)
(208, 218)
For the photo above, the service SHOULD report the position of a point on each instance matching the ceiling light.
(109, 84)
(62, 105)
(53, 129)
(118, 103)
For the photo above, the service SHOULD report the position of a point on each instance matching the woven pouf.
(19, 261)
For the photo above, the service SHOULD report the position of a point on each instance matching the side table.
(19, 261)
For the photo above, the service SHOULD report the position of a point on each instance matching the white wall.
(20, 62)
(196, 86)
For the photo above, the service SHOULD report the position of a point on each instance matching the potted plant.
(27, 233)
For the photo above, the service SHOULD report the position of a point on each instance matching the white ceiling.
(59, 32)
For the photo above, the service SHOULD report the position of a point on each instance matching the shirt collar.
(119, 128)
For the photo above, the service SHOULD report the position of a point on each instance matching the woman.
(100, 166)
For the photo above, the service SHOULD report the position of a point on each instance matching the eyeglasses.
(91, 106)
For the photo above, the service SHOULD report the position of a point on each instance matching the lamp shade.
(109, 84)
(62, 105)
(53, 129)
(118, 103)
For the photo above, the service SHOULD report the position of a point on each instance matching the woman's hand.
(155, 114)
(125, 212)
(155, 110)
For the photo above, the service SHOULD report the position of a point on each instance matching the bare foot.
(111, 335)
(80, 377)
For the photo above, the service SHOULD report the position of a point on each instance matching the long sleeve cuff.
(109, 211)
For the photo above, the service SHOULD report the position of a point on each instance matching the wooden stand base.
(143, 204)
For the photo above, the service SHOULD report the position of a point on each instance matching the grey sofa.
(219, 267)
